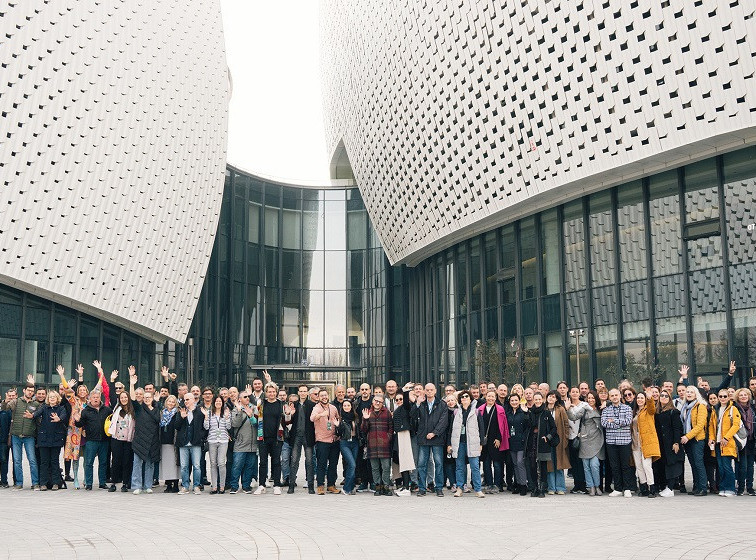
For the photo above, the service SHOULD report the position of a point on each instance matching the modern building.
(551, 169)
(112, 160)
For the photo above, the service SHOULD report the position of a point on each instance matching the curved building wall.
(114, 120)
(458, 117)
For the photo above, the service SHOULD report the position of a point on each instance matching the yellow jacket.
(730, 427)
(698, 422)
(649, 441)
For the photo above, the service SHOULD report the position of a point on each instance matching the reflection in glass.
(574, 247)
(671, 346)
(312, 318)
(313, 265)
(292, 229)
(550, 247)
(602, 239)
(335, 224)
(528, 262)
(666, 235)
(335, 270)
(271, 226)
(632, 232)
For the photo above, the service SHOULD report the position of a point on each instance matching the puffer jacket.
(648, 438)
(21, 426)
(472, 432)
(146, 442)
(698, 417)
(730, 426)
(49, 433)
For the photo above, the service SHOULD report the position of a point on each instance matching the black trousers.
(710, 464)
(363, 472)
(509, 467)
(619, 459)
(270, 447)
(122, 462)
(578, 473)
(49, 466)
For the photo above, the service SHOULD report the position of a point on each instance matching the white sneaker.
(723, 493)
(269, 483)
(480, 494)
(628, 494)
(277, 491)
(260, 490)
(197, 490)
(137, 492)
(667, 493)
(148, 491)
(183, 490)
(729, 494)
(403, 492)
(255, 484)
(615, 494)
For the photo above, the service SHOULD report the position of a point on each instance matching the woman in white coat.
(465, 442)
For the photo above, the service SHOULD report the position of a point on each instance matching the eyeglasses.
(723, 396)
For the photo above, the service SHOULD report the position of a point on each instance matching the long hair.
(127, 408)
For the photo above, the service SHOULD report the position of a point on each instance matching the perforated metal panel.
(459, 116)
(113, 121)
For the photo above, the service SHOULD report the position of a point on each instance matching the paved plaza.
(97, 524)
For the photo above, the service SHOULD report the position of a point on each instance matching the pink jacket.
(501, 417)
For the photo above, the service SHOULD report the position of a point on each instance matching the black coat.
(669, 429)
(193, 433)
(435, 422)
(49, 433)
(309, 425)
(146, 442)
(519, 428)
(93, 422)
(168, 432)
(541, 425)
(403, 416)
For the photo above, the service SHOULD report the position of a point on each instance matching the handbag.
(484, 439)
(575, 443)
(108, 422)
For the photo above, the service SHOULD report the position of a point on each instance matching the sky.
(276, 114)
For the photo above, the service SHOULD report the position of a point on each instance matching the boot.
(643, 490)
(291, 489)
(321, 490)
(591, 491)
(378, 490)
(653, 493)
(310, 489)
(168, 486)
(387, 491)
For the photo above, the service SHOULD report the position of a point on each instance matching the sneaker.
(750, 492)
(480, 494)
(403, 492)
(467, 489)
(36, 487)
(321, 491)
(722, 493)
(453, 488)
(247, 490)
(124, 488)
(148, 491)
(260, 490)
(550, 492)
(420, 493)
(561, 493)
(54, 487)
(137, 492)
(277, 491)
(440, 493)
(197, 490)
(112, 488)
(729, 494)
(628, 494)
(458, 493)
(615, 494)
(43, 488)
(667, 493)
(291, 489)
(234, 490)
(598, 491)
(183, 491)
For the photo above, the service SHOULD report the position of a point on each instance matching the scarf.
(167, 416)
(746, 414)
(685, 414)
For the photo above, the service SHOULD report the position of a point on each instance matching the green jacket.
(20, 426)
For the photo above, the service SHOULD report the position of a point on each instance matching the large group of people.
(483, 439)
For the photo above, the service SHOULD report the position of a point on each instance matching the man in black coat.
(432, 420)
(302, 434)
(92, 419)
(190, 434)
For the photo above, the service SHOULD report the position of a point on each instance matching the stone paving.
(97, 524)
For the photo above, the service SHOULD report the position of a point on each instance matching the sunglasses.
(723, 396)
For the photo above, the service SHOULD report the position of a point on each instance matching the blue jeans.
(349, 460)
(461, 473)
(141, 474)
(744, 468)
(244, 466)
(423, 454)
(285, 459)
(27, 444)
(592, 472)
(726, 474)
(189, 456)
(695, 452)
(95, 450)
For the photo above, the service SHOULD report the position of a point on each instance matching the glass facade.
(652, 273)
(36, 335)
(297, 282)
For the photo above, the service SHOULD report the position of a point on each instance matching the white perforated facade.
(113, 118)
(459, 116)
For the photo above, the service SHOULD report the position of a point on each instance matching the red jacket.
(501, 417)
(380, 431)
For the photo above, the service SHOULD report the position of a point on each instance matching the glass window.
(508, 259)
(631, 229)
(313, 270)
(65, 340)
(356, 318)
(491, 269)
(254, 310)
(271, 226)
(475, 274)
(10, 330)
(574, 247)
(312, 318)
(550, 248)
(664, 214)
(271, 317)
(637, 347)
(554, 368)
(291, 269)
(8, 358)
(313, 222)
(605, 348)
(292, 229)
(671, 346)
(602, 239)
(528, 255)
(89, 349)
(129, 352)
(530, 351)
(37, 345)
(290, 305)
(253, 232)
(357, 228)
(356, 264)
(335, 224)
(271, 267)
(335, 270)
(335, 315)
(110, 344)
(701, 191)
(253, 264)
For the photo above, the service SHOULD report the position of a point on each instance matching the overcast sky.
(276, 115)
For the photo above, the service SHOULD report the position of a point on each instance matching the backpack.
(741, 437)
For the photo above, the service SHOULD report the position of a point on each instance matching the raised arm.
(132, 382)
(727, 378)
(683, 371)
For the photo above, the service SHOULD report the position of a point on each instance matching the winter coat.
(49, 433)
(698, 417)
(20, 426)
(168, 432)
(379, 428)
(403, 416)
(669, 428)
(591, 433)
(519, 428)
(542, 425)
(501, 420)
(648, 440)
(93, 421)
(562, 423)
(305, 409)
(190, 433)
(434, 422)
(146, 442)
(730, 427)
(244, 431)
(473, 428)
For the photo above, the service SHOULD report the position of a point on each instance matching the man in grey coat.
(244, 433)
(432, 420)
